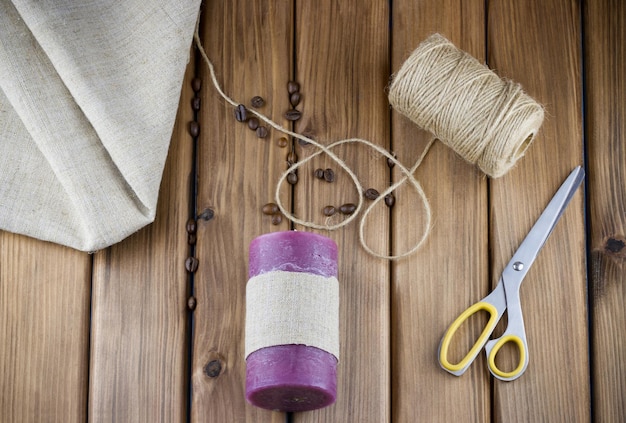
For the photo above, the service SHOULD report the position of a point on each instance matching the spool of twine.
(488, 121)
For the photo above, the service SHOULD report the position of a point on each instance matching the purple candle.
(292, 322)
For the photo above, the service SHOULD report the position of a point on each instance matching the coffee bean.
(191, 239)
(282, 142)
(261, 132)
(277, 219)
(194, 128)
(292, 178)
(329, 175)
(294, 99)
(319, 173)
(257, 101)
(303, 143)
(191, 226)
(191, 264)
(347, 208)
(293, 115)
(253, 123)
(196, 84)
(329, 210)
(270, 208)
(371, 194)
(195, 103)
(241, 113)
(191, 303)
(390, 162)
(390, 200)
(293, 87)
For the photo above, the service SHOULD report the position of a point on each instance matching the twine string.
(327, 149)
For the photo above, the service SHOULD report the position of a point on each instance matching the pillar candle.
(292, 376)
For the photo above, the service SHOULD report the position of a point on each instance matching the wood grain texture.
(250, 44)
(139, 304)
(526, 46)
(450, 272)
(342, 64)
(605, 65)
(44, 331)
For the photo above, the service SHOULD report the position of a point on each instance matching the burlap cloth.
(88, 96)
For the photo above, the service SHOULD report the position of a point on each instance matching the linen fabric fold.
(88, 97)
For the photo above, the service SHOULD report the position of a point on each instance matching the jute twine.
(488, 121)
(327, 149)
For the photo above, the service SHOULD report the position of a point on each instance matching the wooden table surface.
(111, 336)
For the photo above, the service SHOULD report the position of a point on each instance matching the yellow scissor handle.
(459, 368)
(492, 351)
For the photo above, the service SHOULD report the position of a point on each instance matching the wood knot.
(207, 214)
(615, 246)
(213, 368)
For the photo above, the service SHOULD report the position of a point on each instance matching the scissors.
(505, 296)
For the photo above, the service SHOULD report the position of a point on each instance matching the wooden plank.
(250, 44)
(342, 64)
(139, 313)
(44, 331)
(450, 272)
(525, 45)
(605, 65)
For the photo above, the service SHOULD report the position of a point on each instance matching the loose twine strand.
(327, 149)
(488, 121)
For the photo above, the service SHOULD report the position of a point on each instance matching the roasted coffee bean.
(292, 178)
(196, 84)
(270, 208)
(241, 113)
(282, 142)
(390, 162)
(371, 194)
(293, 115)
(390, 200)
(191, 264)
(257, 101)
(277, 219)
(347, 208)
(261, 132)
(329, 175)
(319, 173)
(191, 226)
(191, 239)
(194, 128)
(195, 103)
(293, 87)
(253, 123)
(329, 210)
(294, 99)
(191, 303)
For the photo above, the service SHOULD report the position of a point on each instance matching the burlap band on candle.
(285, 308)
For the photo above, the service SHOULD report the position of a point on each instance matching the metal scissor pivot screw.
(518, 265)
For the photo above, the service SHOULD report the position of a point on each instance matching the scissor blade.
(536, 238)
